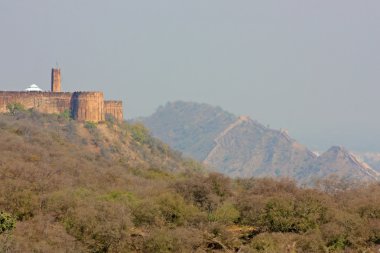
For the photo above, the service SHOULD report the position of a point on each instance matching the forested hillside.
(80, 187)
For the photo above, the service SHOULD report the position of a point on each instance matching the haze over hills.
(242, 147)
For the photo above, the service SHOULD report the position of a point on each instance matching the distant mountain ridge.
(371, 158)
(189, 127)
(250, 149)
(340, 162)
(242, 147)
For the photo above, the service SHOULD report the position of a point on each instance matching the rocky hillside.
(242, 147)
(247, 149)
(371, 158)
(189, 127)
(341, 163)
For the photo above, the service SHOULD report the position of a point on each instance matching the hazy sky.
(312, 67)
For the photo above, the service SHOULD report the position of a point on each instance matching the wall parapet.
(47, 93)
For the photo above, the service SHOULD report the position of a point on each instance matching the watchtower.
(55, 80)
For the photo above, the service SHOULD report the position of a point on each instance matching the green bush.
(226, 213)
(292, 215)
(66, 115)
(174, 210)
(15, 108)
(110, 119)
(278, 216)
(139, 133)
(90, 125)
(7, 222)
(119, 196)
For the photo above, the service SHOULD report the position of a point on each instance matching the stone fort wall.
(88, 106)
(83, 106)
(45, 102)
(114, 108)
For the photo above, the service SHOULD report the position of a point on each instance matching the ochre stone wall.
(83, 106)
(45, 102)
(88, 106)
(114, 108)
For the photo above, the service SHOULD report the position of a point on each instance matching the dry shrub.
(147, 213)
(273, 243)
(44, 234)
(346, 231)
(225, 213)
(205, 192)
(22, 203)
(69, 197)
(175, 211)
(100, 226)
(268, 186)
(173, 240)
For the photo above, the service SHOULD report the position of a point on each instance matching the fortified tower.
(114, 108)
(55, 80)
(88, 106)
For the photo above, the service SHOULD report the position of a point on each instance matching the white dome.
(33, 87)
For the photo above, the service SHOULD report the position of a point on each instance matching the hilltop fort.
(83, 106)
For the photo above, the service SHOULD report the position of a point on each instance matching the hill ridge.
(242, 147)
(355, 160)
(239, 121)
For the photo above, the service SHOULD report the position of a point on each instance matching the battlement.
(83, 105)
(87, 92)
(114, 102)
(27, 93)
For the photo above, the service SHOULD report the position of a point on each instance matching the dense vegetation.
(71, 187)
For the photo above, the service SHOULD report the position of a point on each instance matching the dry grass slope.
(70, 187)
